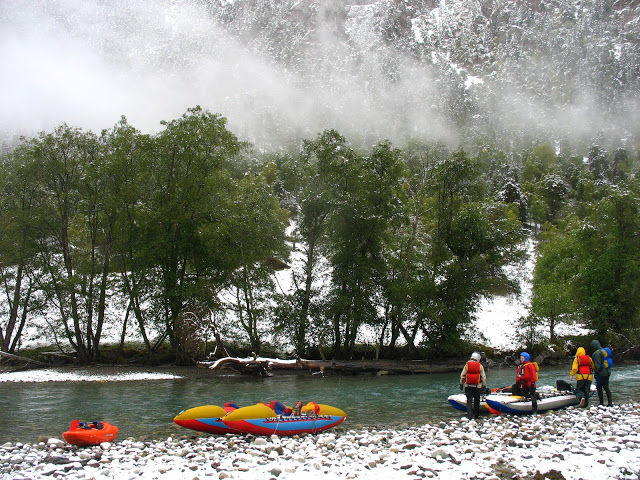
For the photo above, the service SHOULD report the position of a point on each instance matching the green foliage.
(474, 237)
(18, 245)
(553, 294)
(529, 337)
(182, 230)
(163, 212)
(364, 198)
(609, 249)
(305, 180)
(586, 267)
(72, 252)
(204, 226)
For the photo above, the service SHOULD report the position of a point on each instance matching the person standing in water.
(602, 372)
(582, 368)
(473, 379)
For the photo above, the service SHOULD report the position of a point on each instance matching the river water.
(144, 409)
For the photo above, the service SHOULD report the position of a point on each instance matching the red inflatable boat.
(93, 433)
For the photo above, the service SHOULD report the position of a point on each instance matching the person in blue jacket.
(602, 372)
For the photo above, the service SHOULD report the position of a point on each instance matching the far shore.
(267, 366)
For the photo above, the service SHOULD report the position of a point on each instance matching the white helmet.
(475, 356)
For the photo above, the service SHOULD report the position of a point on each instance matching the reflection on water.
(145, 408)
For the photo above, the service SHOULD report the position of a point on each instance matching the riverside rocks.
(574, 443)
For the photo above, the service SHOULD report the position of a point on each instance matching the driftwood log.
(265, 366)
(18, 358)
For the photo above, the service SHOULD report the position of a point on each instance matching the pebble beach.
(575, 443)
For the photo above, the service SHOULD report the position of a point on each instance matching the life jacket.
(473, 373)
(584, 366)
(608, 361)
(536, 369)
(532, 368)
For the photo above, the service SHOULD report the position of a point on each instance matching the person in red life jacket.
(474, 380)
(582, 368)
(526, 377)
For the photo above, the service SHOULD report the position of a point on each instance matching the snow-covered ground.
(571, 444)
(497, 320)
(48, 375)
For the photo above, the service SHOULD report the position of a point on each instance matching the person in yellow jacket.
(582, 368)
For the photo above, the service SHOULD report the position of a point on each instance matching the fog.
(88, 62)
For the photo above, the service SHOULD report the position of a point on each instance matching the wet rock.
(492, 444)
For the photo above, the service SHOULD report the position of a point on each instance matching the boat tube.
(550, 399)
(207, 418)
(260, 419)
(459, 400)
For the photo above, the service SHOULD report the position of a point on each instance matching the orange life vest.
(473, 373)
(584, 365)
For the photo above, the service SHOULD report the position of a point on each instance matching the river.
(145, 408)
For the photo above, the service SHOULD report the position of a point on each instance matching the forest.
(177, 239)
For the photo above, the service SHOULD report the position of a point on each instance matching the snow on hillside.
(497, 320)
(498, 316)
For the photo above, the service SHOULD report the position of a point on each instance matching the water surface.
(145, 408)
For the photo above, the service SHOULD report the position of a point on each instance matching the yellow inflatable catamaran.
(262, 419)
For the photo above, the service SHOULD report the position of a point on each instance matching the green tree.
(364, 201)
(128, 172)
(473, 238)
(70, 219)
(18, 248)
(254, 233)
(553, 294)
(309, 199)
(545, 188)
(555, 193)
(598, 163)
(511, 193)
(544, 155)
(407, 249)
(621, 165)
(187, 201)
(609, 260)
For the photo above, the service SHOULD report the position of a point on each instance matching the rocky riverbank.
(575, 443)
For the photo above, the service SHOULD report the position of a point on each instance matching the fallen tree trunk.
(263, 366)
(18, 358)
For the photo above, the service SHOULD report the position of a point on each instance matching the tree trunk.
(102, 300)
(301, 332)
(255, 365)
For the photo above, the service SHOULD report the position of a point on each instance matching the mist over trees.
(185, 237)
(515, 72)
